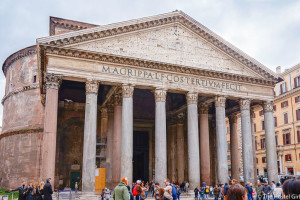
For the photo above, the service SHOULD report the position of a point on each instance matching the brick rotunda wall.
(23, 119)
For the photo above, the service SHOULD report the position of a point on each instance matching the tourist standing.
(174, 191)
(121, 191)
(22, 191)
(196, 191)
(249, 191)
(168, 193)
(130, 193)
(277, 192)
(266, 191)
(187, 187)
(222, 192)
(291, 189)
(259, 191)
(48, 190)
(40, 190)
(107, 193)
(137, 190)
(236, 192)
(216, 192)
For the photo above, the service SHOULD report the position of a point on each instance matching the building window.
(275, 121)
(264, 159)
(228, 157)
(298, 114)
(256, 143)
(283, 88)
(276, 139)
(290, 171)
(285, 118)
(263, 143)
(284, 104)
(227, 128)
(261, 112)
(297, 99)
(263, 125)
(297, 81)
(288, 157)
(286, 138)
(274, 107)
(256, 160)
(228, 146)
(298, 135)
(254, 127)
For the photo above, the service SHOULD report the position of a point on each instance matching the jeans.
(216, 198)
(137, 197)
(266, 196)
(146, 193)
(250, 196)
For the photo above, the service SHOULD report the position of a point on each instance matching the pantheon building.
(146, 99)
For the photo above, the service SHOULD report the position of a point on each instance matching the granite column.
(247, 141)
(127, 132)
(52, 82)
(90, 137)
(270, 143)
(160, 136)
(204, 144)
(180, 147)
(221, 140)
(109, 144)
(234, 148)
(117, 135)
(193, 140)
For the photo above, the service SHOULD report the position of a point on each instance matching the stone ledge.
(21, 131)
(18, 90)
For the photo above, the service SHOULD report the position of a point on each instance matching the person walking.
(40, 190)
(22, 191)
(196, 191)
(107, 194)
(222, 192)
(121, 191)
(48, 190)
(259, 191)
(249, 191)
(187, 187)
(216, 192)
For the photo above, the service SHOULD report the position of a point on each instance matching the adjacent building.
(286, 122)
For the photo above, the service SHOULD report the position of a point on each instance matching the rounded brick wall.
(23, 119)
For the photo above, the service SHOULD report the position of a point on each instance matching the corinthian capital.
(52, 81)
(127, 90)
(160, 94)
(244, 104)
(220, 101)
(192, 98)
(103, 112)
(268, 106)
(91, 86)
(203, 108)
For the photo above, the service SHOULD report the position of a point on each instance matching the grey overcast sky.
(267, 30)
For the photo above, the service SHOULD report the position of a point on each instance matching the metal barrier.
(6, 196)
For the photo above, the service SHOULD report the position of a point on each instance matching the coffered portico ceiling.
(171, 42)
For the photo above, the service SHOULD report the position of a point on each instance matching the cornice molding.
(18, 90)
(159, 20)
(18, 55)
(21, 131)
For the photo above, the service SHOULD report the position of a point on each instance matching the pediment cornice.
(155, 21)
(110, 58)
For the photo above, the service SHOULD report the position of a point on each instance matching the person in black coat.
(22, 191)
(48, 190)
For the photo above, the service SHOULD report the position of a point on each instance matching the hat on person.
(138, 181)
(124, 180)
(157, 184)
(278, 184)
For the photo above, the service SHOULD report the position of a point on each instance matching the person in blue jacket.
(174, 190)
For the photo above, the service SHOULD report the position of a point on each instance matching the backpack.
(207, 190)
(134, 191)
(202, 191)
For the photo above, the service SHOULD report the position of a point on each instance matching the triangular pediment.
(173, 38)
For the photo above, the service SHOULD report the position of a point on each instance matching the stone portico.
(154, 95)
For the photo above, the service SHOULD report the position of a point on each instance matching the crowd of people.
(235, 191)
(33, 191)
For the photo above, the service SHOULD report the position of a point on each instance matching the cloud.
(267, 30)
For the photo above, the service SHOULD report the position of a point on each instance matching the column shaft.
(270, 142)
(50, 126)
(127, 133)
(247, 141)
(160, 136)
(117, 136)
(173, 152)
(221, 140)
(109, 146)
(254, 149)
(193, 140)
(204, 144)
(234, 148)
(180, 152)
(90, 138)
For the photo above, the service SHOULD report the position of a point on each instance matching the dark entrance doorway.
(140, 155)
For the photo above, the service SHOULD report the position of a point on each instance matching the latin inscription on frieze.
(171, 78)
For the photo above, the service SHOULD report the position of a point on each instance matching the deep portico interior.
(145, 99)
